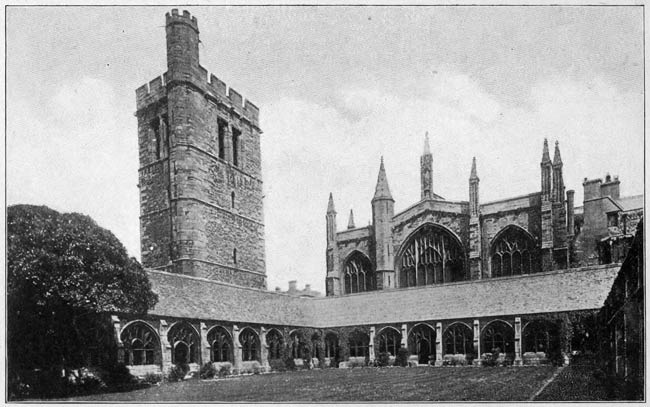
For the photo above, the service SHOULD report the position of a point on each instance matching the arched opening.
(141, 346)
(458, 339)
(498, 337)
(432, 255)
(421, 342)
(220, 345)
(275, 341)
(298, 345)
(513, 252)
(332, 348)
(390, 340)
(358, 342)
(358, 274)
(541, 336)
(185, 343)
(250, 345)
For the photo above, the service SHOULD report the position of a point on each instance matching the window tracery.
(498, 336)
(140, 344)
(185, 344)
(422, 339)
(513, 253)
(459, 339)
(249, 345)
(432, 256)
(275, 341)
(220, 345)
(358, 344)
(359, 275)
(390, 341)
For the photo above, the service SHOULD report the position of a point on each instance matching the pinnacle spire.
(330, 205)
(472, 175)
(351, 220)
(546, 158)
(382, 191)
(557, 159)
(427, 149)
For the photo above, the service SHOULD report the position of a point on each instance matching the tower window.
(221, 129)
(234, 256)
(235, 146)
(155, 126)
(232, 200)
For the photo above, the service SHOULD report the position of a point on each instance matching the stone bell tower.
(200, 178)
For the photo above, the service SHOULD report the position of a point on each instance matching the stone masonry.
(200, 169)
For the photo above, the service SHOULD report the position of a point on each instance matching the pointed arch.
(389, 340)
(275, 342)
(513, 251)
(185, 342)
(422, 342)
(458, 338)
(359, 274)
(221, 346)
(432, 254)
(250, 344)
(141, 344)
(498, 335)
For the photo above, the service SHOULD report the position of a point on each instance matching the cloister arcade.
(427, 342)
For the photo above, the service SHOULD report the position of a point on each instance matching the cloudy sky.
(338, 87)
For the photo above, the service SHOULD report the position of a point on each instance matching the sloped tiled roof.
(631, 202)
(576, 289)
(198, 298)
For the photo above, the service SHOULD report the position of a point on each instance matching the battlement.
(209, 84)
(186, 18)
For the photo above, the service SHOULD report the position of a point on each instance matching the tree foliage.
(64, 274)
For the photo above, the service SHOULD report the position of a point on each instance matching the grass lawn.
(367, 384)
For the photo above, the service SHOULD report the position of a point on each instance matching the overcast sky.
(338, 87)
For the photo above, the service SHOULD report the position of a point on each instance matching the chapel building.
(451, 281)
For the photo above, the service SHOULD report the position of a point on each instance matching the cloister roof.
(566, 290)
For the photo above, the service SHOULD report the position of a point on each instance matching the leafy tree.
(65, 273)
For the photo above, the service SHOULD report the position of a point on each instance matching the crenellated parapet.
(212, 88)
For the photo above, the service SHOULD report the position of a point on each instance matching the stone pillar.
(477, 342)
(518, 360)
(404, 336)
(165, 346)
(439, 354)
(120, 346)
(371, 345)
(236, 350)
(205, 345)
(264, 350)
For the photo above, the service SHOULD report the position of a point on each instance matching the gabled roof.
(197, 298)
(576, 289)
(628, 203)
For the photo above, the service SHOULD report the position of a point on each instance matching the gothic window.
(275, 341)
(390, 341)
(431, 256)
(221, 129)
(421, 342)
(298, 347)
(458, 339)
(235, 146)
(234, 256)
(250, 344)
(512, 253)
(140, 344)
(232, 200)
(157, 139)
(540, 336)
(331, 345)
(220, 345)
(358, 344)
(358, 274)
(315, 346)
(498, 336)
(185, 343)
